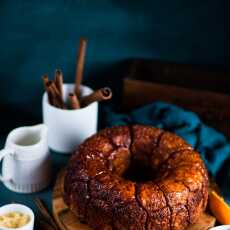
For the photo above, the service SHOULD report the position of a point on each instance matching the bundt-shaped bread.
(136, 177)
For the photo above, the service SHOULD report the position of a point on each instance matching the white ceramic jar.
(69, 128)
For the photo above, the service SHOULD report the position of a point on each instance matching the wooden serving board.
(67, 221)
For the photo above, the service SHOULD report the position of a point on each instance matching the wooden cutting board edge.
(66, 220)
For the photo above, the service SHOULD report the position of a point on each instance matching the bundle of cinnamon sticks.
(54, 88)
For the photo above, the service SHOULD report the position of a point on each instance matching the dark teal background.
(36, 37)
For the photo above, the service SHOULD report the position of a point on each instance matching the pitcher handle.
(3, 153)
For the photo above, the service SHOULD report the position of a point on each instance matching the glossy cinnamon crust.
(99, 193)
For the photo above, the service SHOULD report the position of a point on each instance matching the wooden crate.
(212, 107)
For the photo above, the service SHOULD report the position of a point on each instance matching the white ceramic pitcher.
(26, 165)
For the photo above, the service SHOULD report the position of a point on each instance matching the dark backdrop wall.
(37, 37)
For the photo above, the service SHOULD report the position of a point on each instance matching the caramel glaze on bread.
(136, 177)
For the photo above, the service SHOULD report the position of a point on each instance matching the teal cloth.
(211, 144)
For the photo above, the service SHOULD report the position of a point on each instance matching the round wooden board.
(67, 221)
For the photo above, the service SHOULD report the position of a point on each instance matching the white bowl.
(18, 208)
(222, 227)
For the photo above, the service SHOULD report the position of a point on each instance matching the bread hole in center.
(139, 172)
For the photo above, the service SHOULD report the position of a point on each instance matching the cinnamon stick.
(58, 79)
(74, 102)
(80, 65)
(45, 79)
(51, 92)
(98, 95)
(57, 97)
